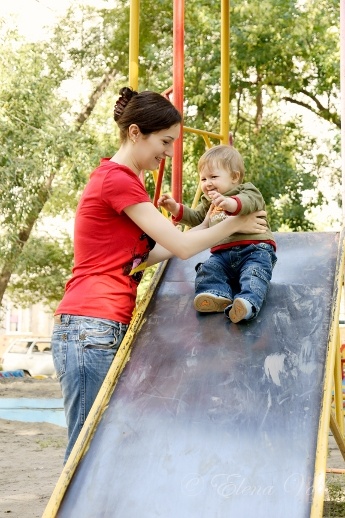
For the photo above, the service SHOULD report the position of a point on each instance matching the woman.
(117, 228)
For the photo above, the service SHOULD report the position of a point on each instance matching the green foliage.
(42, 157)
(280, 163)
(42, 269)
(283, 44)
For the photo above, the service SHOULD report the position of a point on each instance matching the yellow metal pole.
(225, 68)
(338, 435)
(134, 43)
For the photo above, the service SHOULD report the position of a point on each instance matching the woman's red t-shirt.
(107, 246)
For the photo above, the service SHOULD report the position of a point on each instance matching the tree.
(290, 49)
(41, 270)
(36, 145)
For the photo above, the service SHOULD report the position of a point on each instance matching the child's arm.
(169, 204)
(205, 223)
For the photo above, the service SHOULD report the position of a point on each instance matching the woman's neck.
(124, 156)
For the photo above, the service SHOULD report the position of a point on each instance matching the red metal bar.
(167, 93)
(178, 89)
(336, 471)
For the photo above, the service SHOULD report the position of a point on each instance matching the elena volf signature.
(228, 485)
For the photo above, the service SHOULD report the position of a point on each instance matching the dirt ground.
(31, 456)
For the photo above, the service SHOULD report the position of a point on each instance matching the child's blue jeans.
(241, 271)
(83, 350)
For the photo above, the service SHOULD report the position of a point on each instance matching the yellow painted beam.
(225, 71)
(338, 435)
(187, 129)
(134, 43)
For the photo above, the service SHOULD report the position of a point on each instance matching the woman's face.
(151, 149)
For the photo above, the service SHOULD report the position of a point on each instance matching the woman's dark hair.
(150, 111)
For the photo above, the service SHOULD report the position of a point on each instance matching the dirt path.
(31, 454)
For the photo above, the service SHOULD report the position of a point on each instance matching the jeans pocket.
(197, 266)
(59, 350)
(99, 336)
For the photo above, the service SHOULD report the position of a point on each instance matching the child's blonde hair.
(225, 157)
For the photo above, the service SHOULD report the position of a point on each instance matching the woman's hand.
(254, 223)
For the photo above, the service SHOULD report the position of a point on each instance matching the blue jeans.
(83, 350)
(240, 271)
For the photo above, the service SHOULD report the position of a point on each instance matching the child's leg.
(255, 276)
(212, 290)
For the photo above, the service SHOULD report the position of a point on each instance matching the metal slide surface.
(211, 419)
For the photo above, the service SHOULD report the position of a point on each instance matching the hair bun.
(126, 94)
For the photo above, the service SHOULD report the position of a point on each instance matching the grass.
(334, 507)
(50, 442)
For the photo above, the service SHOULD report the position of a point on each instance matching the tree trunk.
(259, 105)
(96, 94)
(22, 237)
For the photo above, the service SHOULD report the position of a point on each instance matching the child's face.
(217, 179)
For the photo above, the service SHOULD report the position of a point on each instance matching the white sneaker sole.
(209, 303)
(238, 311)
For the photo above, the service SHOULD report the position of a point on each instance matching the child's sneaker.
(240, 310)
(210, 303)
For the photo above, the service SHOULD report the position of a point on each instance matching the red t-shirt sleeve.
(121, 189)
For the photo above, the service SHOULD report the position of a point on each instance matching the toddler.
(236, 276)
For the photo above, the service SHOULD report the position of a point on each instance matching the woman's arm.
(187, 244)
(159, 254)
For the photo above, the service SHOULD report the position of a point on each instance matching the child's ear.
(235, 176)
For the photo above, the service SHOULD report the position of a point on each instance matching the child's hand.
(223, 202)
(169, 204)
(217, 198)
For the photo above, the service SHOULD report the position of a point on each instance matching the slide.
(211, 419)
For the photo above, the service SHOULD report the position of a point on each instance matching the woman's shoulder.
(109, 171)
(108, 165)
(118, 180)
